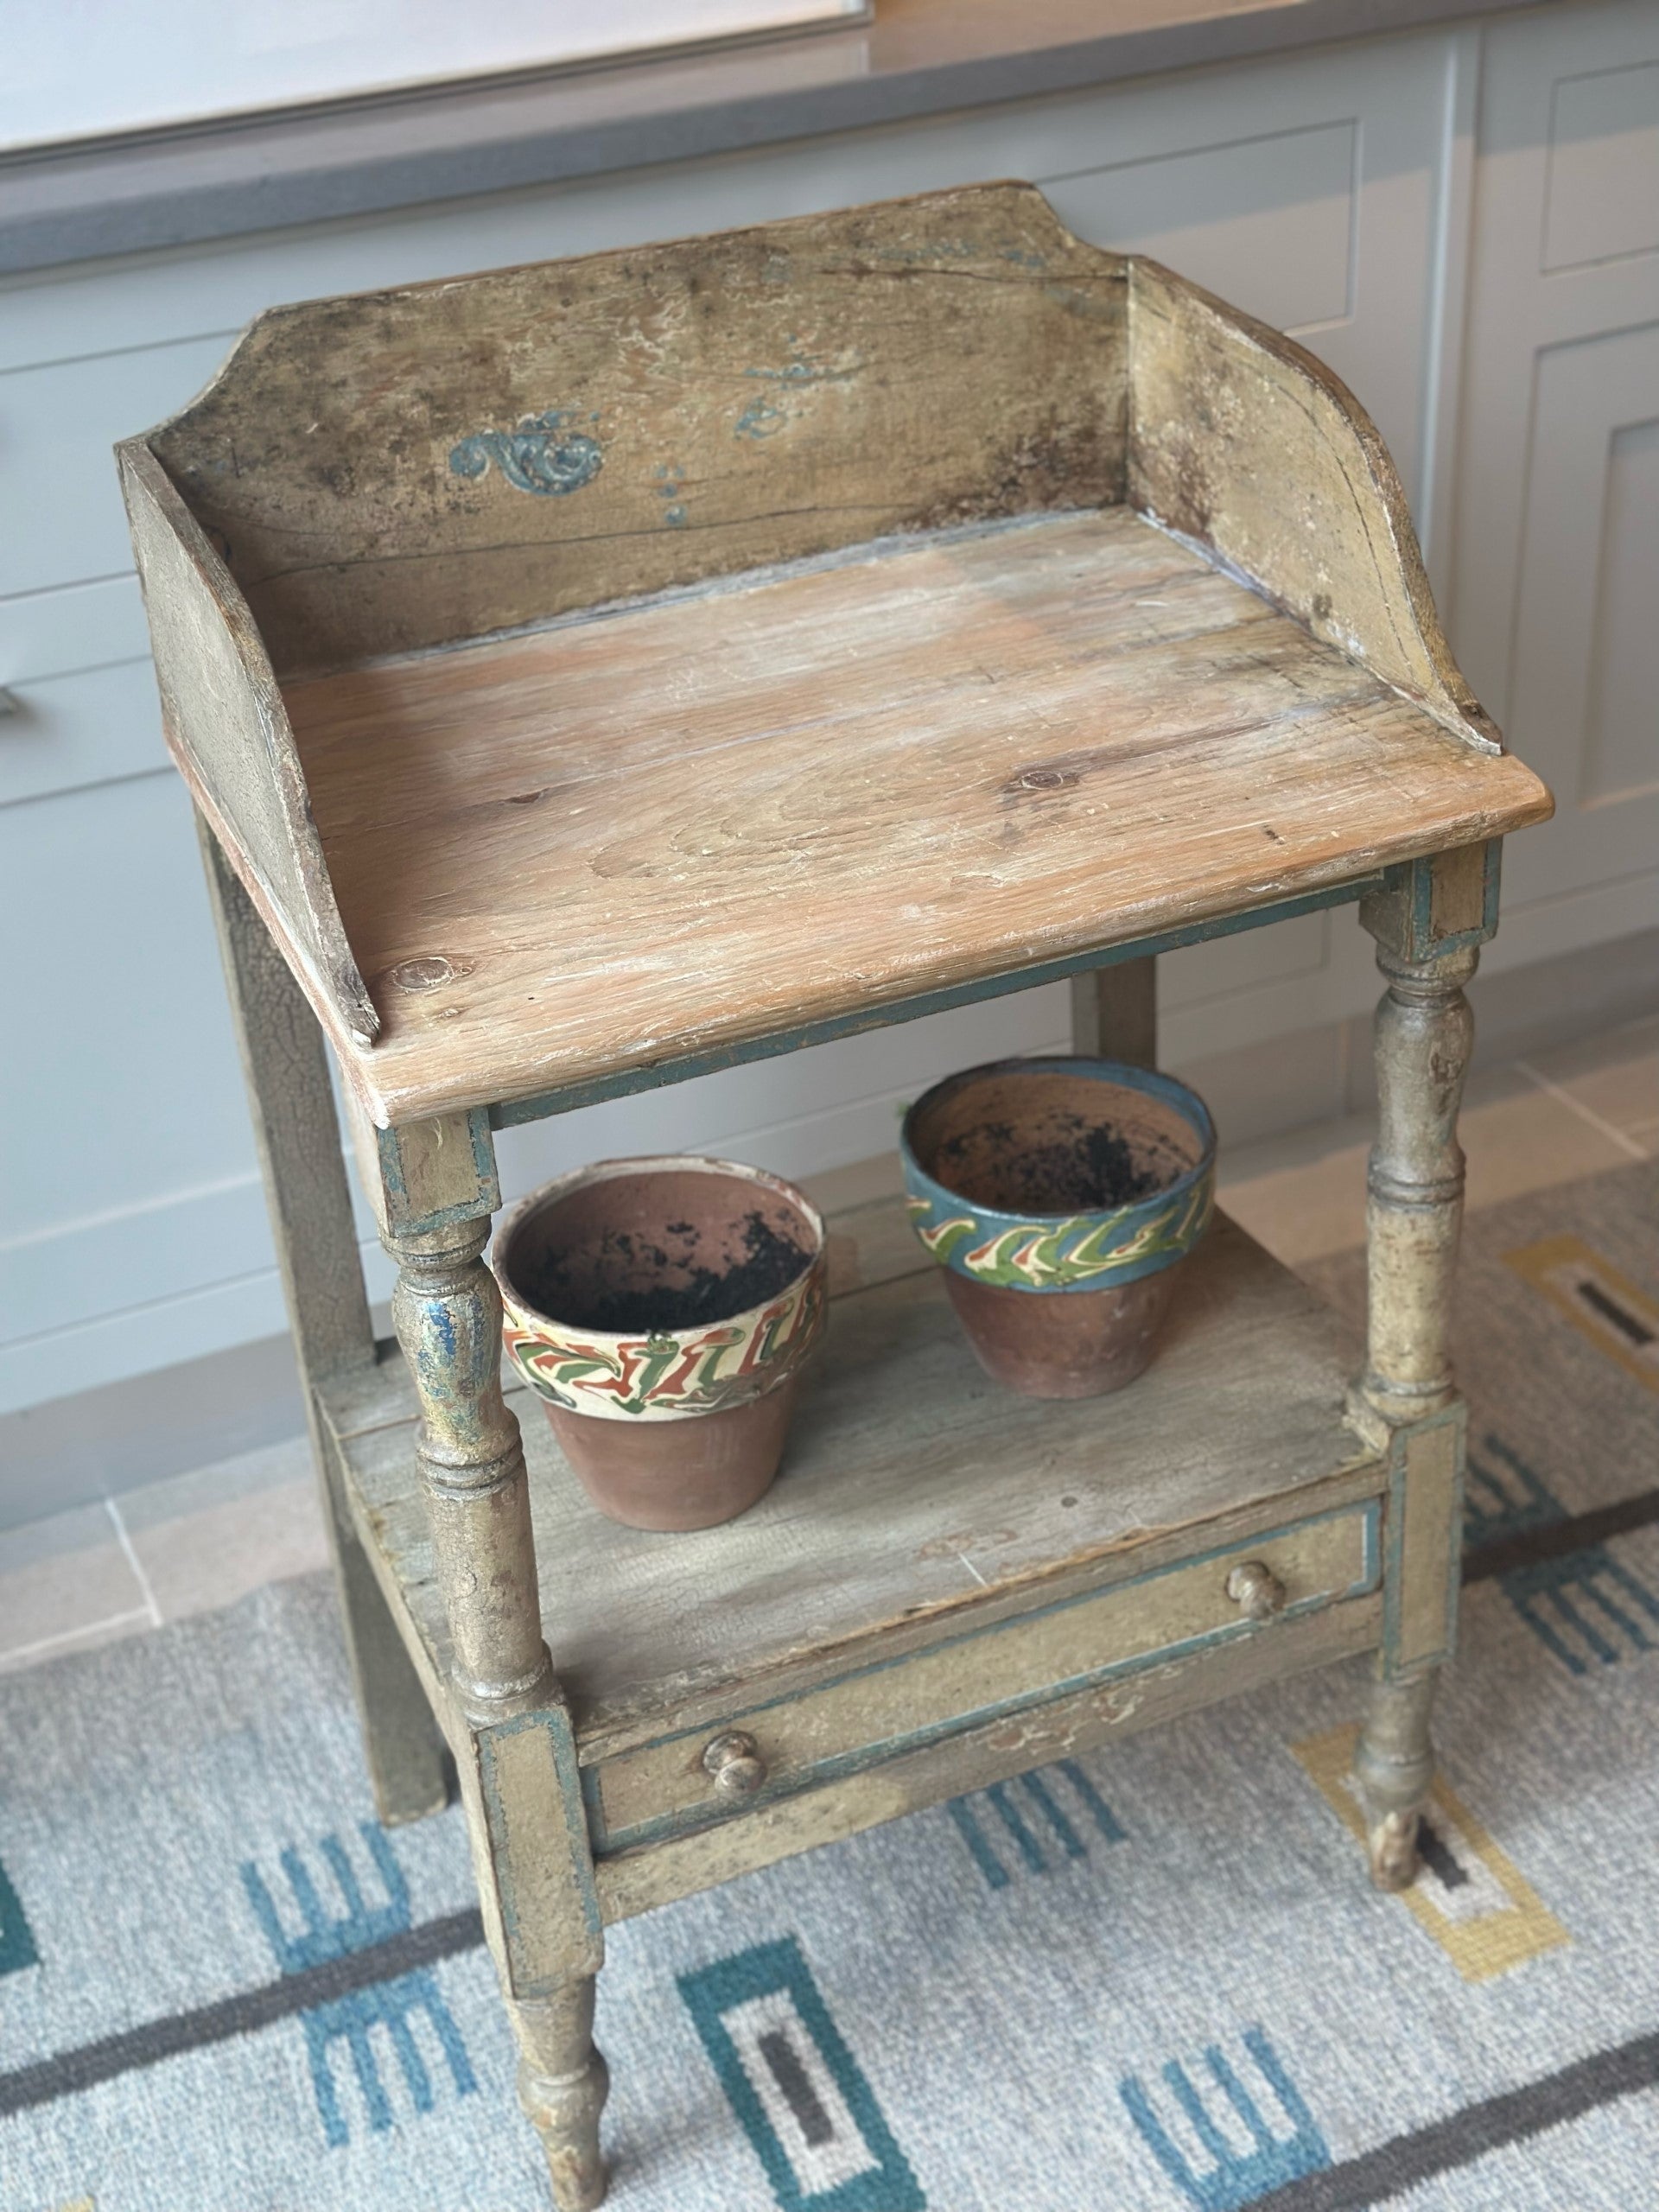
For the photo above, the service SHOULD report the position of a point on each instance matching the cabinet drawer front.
(662, 1788)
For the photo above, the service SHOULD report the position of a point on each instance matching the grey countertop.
(917, 58)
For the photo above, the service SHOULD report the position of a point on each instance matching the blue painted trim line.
(509, 1113)
(554, 1723)
(688, 1820)
(1456, 1416)
(806, 2054)
(481, 1136)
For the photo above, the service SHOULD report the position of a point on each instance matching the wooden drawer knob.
(734, 1761)
(1256, 1590)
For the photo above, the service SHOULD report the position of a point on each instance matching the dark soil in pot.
(630, 1282)
(1070, 1165)
(1024, 1140)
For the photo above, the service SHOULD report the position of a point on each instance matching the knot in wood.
(1042, 779)
(424, 974)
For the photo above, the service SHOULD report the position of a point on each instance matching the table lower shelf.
(945, 1579)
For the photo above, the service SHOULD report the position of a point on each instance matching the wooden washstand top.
(718, 817)
(950, 641)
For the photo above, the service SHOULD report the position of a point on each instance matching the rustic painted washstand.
(502, 628)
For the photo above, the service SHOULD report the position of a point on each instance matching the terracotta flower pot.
(662, 1310)
(1058, 1195)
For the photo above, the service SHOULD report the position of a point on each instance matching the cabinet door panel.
(1601, 189)
(58, 488)
(89, 727)
(1267, 223)
(1622, 754)
(1555, 610)
(1586, 701)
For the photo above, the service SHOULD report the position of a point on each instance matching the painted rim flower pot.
(1060, 1197)
(663, 1309)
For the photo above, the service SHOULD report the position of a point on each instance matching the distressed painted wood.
(426, 1175)
(600, 672)
(1413, 1216)
(228, 732)
(516, 1760)
(913, 1489)
(1425, 1542)
(494, 451)
(1393, 1765)
(1078, 1721)
(1415, 1182)
(530, 1802)
(657, 1073)
(1115, 1013)
(694, 822)
(1443, 902)
(298, 1139)
(447, 1311)
(1269, 461)
(878, 1712)
(562, 2084)
(542, 1915)
(715, 806)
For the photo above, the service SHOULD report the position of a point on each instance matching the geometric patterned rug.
(1152, 1980)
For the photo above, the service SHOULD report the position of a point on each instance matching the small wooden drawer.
(664, 1788)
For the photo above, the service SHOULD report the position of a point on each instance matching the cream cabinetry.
(1555, 604)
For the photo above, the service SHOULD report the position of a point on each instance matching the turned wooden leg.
(1394, 1765)
(562, 2085)
(1414, 1187)
(1115, 1013)
(297, 1131)
(447, 1312)
(529, 1845)
(1424, 1032)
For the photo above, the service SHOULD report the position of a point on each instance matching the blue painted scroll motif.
(542, 455)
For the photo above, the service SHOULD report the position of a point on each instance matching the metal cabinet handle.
(1256, 1590)
(735, 1763)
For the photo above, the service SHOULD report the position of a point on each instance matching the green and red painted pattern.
(668, 1375)
(1085, 1249)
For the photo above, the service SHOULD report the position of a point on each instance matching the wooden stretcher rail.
(512, 1112)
